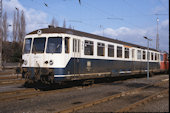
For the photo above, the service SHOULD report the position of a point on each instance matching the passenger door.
(76, 55)
(133, 59)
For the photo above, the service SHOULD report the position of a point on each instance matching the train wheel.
(88, 82)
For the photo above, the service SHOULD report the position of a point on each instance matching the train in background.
(55, 55)
(164, 62)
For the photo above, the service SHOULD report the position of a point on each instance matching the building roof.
(84, 34)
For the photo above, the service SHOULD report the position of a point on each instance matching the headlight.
(51, 62)
(46, 62)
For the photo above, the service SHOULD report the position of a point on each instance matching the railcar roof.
(84, 34)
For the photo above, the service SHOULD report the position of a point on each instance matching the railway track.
(74, 96)
(9, 82)
(143, 101)
(31, 92)
(27, 93)
(119, 95)
(10, 77)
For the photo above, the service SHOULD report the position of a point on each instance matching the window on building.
(119, 51)
(100, 49)
(139, 54)
(111, 50)
(158, 57)
(88, 47)
(67, 43)
(144, 55)
(126, 52)
(151, 56)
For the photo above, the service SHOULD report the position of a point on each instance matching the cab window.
(54, 45)
(39, 45)
(27, 46)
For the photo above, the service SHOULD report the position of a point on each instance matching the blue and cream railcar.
(60, 54)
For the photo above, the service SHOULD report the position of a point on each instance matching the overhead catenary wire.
(163, 4)
(106, 14)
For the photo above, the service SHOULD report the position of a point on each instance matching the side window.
(67, 44)
(100, 49)
(133, 53)
(162, 57)
(88, 47)
(156, 56)
(144, 55)
(111, 50)
(119, 51)
(126, 52)
(151, 56)
(139, 54)
(73, 45)
(78, 45)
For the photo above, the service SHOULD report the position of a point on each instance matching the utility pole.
(0, 35)
(157, 36)
(147, 56)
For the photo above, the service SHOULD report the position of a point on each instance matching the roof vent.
(50, 26)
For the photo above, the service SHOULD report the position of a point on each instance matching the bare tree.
(22, 27)
(14, 28)
(5, 27)
(54, 22)
(17, 25)
(64, 23)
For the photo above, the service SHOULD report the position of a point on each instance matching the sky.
(125, 20)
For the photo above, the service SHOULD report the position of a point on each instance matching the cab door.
(76, 56)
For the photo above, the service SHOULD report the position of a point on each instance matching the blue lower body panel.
(84, 66)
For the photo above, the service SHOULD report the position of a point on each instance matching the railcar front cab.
(44, 56)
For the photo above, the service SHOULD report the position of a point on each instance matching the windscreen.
(39, 45)
(54, 45)
(27, 46)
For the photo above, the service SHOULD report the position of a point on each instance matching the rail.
(109, 98)
(143, 101)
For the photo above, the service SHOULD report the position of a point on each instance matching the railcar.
(54, 55)
(164, 63)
